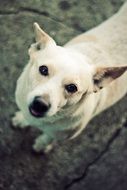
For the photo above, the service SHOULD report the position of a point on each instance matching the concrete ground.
(96, 160)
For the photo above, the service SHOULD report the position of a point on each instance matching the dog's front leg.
(43, 143)
(19, 121)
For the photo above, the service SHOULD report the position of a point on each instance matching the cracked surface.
(94, 160)
(81, 178)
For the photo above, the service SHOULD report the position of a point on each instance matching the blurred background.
(94, 160)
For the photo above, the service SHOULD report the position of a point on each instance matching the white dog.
(59, 89)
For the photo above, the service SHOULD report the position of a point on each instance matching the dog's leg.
(19, 121)
(43, 143)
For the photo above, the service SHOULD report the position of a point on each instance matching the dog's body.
(65, 82)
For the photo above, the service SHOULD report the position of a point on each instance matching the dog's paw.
(18, 120)
(40, 149)
(42, 144)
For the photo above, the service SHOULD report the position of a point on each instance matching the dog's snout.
(39, 107)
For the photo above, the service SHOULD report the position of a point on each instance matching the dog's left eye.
(71, 88)
(43, 70)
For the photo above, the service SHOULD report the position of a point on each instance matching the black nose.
(38, 107)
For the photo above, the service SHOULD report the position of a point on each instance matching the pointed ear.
(41, 37)
(104, 75)
(42, 40)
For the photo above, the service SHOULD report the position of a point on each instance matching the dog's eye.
(43, 70)
(71, 88)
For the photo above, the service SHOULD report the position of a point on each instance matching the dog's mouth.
(35, 113)
(38, 108)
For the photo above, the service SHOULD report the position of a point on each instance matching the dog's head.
(60, 77)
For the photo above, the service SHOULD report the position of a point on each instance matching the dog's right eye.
(71, 88)
(43, 70)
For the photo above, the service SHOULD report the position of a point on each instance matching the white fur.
(78, 62)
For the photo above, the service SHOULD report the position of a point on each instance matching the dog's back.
(111, 34)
